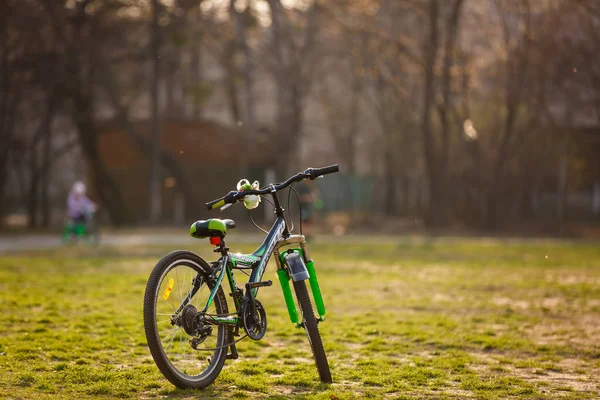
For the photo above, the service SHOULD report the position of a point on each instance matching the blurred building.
(199, 164)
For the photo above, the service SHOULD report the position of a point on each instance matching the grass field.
(407, 318)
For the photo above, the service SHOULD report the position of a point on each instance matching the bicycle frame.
(277, 237)
(258, 261)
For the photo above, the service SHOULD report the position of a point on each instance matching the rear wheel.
(312, 330)
(92, 235)
(169, 332)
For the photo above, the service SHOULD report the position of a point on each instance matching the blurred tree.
(483, 103)
(436, 145)
(240, 20)
(155, 170)
(294, 48)
(79, 30)
(31, 91)
(12, 46)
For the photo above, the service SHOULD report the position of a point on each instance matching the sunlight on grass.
(407, 318)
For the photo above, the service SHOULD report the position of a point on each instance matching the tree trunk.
(36, 169)
(354, 124)
(562, 181)
(154, 195)
(9, 101)
(515, 75)
(4, 153)
(452, 26)
(172, 107)
(3, 179)
(32, 194)
(248, 72)
(249, 123)
(297, 126)
(430, 51)
(196, 55)
(45, 179)
(390, 182)
(232, 87)
(281, 80)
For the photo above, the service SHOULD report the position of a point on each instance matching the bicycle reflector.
(215, 240)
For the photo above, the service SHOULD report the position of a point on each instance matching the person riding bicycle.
(79, 207)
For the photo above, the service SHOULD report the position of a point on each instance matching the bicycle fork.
(296, 264)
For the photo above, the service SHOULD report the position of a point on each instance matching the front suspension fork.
(284, 278)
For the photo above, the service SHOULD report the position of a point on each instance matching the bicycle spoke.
(169, 330)
(173, 339)
(177, 283)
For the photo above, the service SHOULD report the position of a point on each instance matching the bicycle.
(84, 230)
(186, 314)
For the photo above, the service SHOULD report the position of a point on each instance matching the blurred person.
(79, 207)
(308, 196)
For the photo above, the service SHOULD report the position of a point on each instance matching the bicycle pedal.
(254, 285)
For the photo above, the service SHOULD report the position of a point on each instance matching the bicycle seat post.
(219, 241)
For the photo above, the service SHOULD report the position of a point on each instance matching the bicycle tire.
(179, 378)
(312, 330)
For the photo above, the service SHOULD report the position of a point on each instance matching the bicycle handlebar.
(309, 173)
(317, 172)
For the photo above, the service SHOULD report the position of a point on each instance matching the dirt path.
(26, 242)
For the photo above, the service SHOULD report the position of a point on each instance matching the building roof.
(192, 143)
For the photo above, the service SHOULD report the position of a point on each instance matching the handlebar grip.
(211, 205)
(229, 198)
(316, 172)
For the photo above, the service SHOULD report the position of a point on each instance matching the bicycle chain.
(223, 346)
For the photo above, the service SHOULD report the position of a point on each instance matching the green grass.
(407, 318)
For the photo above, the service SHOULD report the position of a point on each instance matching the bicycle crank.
(255, 321)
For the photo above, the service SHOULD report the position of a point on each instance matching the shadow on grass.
(220, 392)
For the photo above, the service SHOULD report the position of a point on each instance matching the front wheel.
(312, 330)
(171, 324)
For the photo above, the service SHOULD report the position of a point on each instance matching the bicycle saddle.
(211, 227)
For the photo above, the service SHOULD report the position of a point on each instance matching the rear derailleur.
(192, 323)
